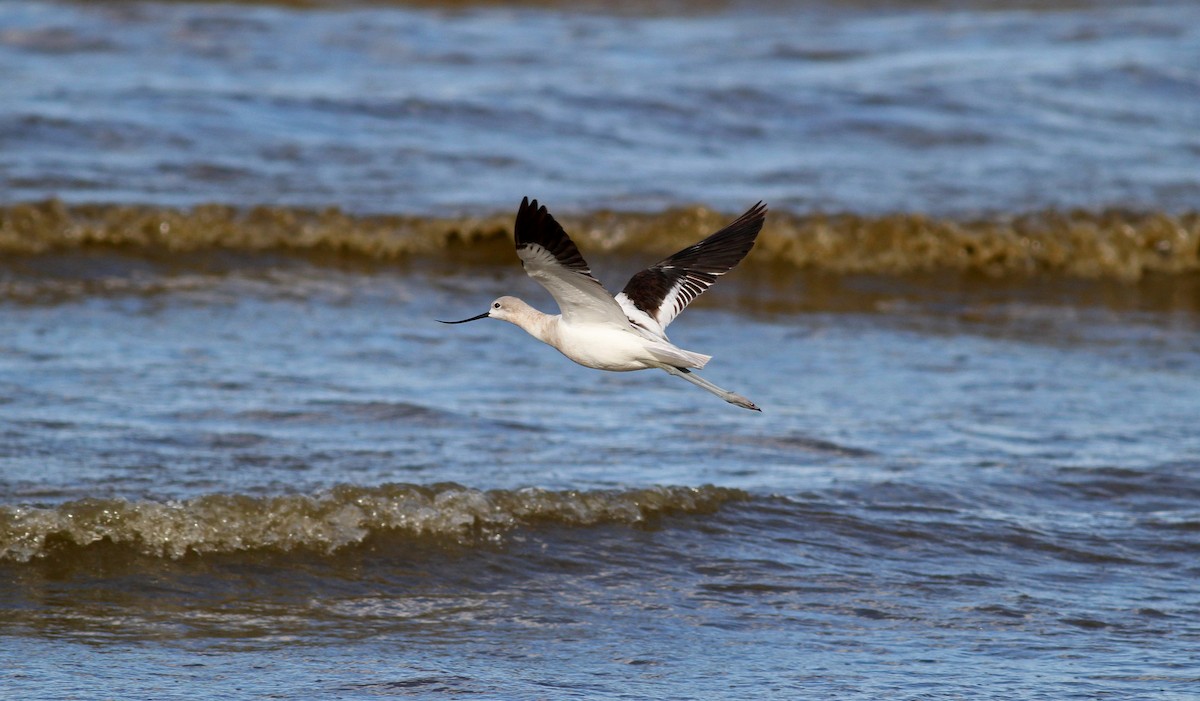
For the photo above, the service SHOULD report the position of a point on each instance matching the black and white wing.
(655, 296)
(550, 257)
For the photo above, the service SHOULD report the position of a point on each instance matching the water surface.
(239, 459)
(867, 107)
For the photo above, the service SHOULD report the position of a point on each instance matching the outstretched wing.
(550, 257)
(655, 296)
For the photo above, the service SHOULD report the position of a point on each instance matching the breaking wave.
(1112, 244)
(340, 517)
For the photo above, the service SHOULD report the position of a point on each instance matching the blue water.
(870, 107)
(1019, 503)
(240, 472)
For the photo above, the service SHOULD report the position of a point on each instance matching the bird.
(625, 332)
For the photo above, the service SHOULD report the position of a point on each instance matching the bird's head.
(503, 308)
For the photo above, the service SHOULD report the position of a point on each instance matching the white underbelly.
(605, 348)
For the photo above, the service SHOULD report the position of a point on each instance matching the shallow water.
(864, 107)
(238, 458)
(293, 483)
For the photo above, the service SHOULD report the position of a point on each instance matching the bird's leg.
(725, 394)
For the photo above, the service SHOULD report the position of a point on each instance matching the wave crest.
(1116, 244)
(340, 517)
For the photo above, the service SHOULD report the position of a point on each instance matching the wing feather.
(551, 258)
(655, 296)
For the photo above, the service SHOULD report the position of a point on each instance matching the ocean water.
(239, 459)
(869, 107)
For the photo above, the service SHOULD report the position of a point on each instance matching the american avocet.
(626, 332)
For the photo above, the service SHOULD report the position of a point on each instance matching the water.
(238, 458)
(868, 107)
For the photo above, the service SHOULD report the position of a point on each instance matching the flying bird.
(629, 331)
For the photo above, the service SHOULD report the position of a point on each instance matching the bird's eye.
(496, 305)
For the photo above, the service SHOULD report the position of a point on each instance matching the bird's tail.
(678, 357)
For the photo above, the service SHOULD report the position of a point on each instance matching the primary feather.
(655, 296)
(551, 258)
